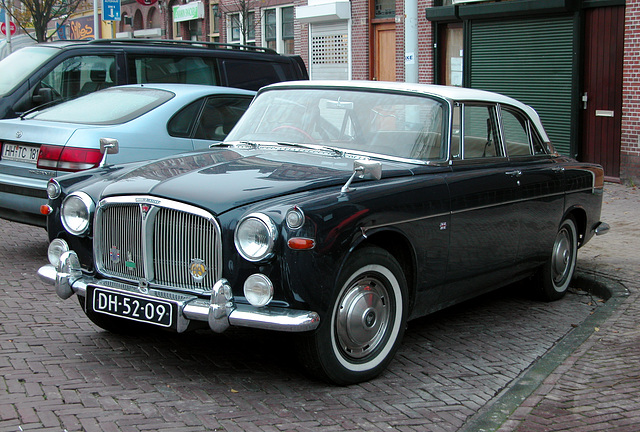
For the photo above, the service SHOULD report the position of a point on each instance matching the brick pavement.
(59, 372)
(597, 388)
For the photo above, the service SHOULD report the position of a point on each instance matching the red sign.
(146, 2)
(3, 28)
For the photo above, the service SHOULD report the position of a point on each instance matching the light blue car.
(115, 125)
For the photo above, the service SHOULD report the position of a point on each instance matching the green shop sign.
(188, 12)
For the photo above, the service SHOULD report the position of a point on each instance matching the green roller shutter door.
(533, 61)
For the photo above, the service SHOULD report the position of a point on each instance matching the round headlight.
(258, 290)
(56, 248)
(76, 212)
(255, 236)
(53, 189)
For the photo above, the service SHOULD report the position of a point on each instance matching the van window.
(80, 75)
(189, 70)
(253, 75)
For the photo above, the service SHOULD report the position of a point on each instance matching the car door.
(484, 225)
(540, 184)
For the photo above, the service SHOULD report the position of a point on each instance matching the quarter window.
(515, 133)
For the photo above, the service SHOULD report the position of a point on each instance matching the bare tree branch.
(39, 13)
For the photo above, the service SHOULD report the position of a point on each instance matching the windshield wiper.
(41, 107)
(335, 151)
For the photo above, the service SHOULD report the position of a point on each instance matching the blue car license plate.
(133, 307)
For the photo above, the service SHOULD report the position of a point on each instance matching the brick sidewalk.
(597, 388)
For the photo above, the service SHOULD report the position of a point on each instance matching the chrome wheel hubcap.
(362, 317)
(562, 257)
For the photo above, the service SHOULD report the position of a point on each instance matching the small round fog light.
(294, 218)
(53, 189)
(258, 290)
(56, 248)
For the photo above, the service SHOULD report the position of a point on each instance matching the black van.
(54, 72)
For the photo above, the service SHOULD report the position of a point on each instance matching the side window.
(184, 70)
(80, 75)
(480, 132)
(515, 132)
(219, 116)
(252, 75)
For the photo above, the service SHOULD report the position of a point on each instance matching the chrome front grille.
(156, 241)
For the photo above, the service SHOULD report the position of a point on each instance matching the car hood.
(39, 132)
(222, 179)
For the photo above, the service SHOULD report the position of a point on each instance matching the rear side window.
(211, 122)
(515, 132)
(254, 75)
(182, 70)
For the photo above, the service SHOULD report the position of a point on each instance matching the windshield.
(107, 107)
(21, 64)
(392, 124)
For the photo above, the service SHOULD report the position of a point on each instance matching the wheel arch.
(402, 250)
(579, 215)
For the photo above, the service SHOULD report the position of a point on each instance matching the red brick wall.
(630, 143)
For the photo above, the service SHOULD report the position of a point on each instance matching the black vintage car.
(339, 210)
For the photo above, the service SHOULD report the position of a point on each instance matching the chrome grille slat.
(176, 236)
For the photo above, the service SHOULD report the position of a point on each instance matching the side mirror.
(108, 146)
(43, 96)
(364, 169)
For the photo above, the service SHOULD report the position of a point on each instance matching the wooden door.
(384, 52)
(602, 93)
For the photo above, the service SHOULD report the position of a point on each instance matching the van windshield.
(20, 65)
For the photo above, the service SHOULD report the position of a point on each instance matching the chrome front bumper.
(220, 311)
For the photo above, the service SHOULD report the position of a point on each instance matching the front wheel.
(359, 336)
(556, 274)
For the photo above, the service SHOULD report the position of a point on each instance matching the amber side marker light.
(300, 243)
(45, 209)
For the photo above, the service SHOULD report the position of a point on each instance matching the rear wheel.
(360, 336)
(556, 274)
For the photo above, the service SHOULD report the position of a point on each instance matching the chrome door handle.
(514, 173)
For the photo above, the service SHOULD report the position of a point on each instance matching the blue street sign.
(111, 10)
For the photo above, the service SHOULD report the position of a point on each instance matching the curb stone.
(493, 415)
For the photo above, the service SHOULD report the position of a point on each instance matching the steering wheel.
(296, 129)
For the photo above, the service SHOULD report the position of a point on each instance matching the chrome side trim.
(368, 228)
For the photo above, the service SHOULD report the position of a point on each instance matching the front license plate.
(20, 153)
(133, 307)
